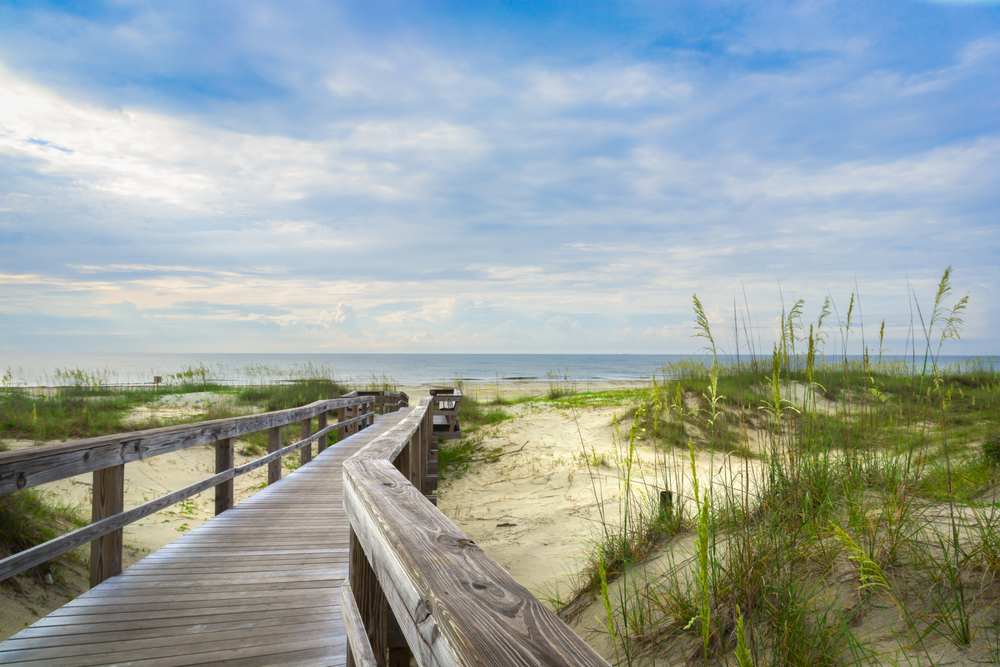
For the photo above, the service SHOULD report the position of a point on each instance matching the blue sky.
(490, 176)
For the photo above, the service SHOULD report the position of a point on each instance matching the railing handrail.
(454, 605)
(57, 546)
(106, 457)
(24, 468)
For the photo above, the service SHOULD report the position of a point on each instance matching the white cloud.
(423, 195)
(563, 325)
(609, 84)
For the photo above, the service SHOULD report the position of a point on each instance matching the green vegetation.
(828, 514)
(454, 457)
(292, 395)
(29, 518)
(86, 405)
(472, 415)
(90, 407)
(560, 385)
(644, 516)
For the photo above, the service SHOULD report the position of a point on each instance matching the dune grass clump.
(560, 385)
(829, 513)
(290, 395)
(472, 415)
(644, 512)
(30, 517)
(454, 457)
(90, 407)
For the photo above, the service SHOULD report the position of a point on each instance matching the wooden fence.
(106, 457)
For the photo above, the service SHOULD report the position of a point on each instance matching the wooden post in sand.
(372, 603)
(109, 499)
(224, 460)
(273, 445)
(307, 452)
(320, 425)
(341, 418)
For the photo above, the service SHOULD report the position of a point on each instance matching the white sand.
(537, 512)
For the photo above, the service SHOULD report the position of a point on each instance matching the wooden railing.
(106, 457)
(420, 587)
(417, 586)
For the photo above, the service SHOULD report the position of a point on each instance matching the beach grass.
(455, 457)
(830, 513)
(30, 517)
(88, 406)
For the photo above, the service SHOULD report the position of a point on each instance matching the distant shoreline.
(122, 370)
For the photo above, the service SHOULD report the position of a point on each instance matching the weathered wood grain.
(108, 492)
(341, 420)
(454, 604)
(28, 558)
(29, 467)
(372, 606)
(360, 650)
(321, 426)
(304, 432)
(225, 492)
(273, 445)
(388, 445)
(205, 599)
(256, 585)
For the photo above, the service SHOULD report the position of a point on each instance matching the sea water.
(50, 369)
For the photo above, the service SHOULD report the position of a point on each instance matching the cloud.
(563, 325)
(344, 314)
(424, 183)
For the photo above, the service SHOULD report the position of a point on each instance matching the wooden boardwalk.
(257, 585)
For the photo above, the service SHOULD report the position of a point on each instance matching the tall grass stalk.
(840, 484)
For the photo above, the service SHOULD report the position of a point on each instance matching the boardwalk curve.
(257, 585)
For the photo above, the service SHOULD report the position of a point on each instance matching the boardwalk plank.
(258, 585)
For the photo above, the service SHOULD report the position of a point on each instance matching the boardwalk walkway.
(258, 585)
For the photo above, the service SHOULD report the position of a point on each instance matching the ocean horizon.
(47, 369)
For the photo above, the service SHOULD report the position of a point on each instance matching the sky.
(551, 177)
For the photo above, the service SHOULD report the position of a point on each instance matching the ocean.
(58, 369)
(50, 369)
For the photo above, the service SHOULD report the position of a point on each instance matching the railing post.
(403, 461)
(372, 604)
(430, 452)
(320, 425)
(307, 451)
(224, 460)
(399, 651)
(109, 499)
(414, 471)
(341, 417)
(273, 445)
